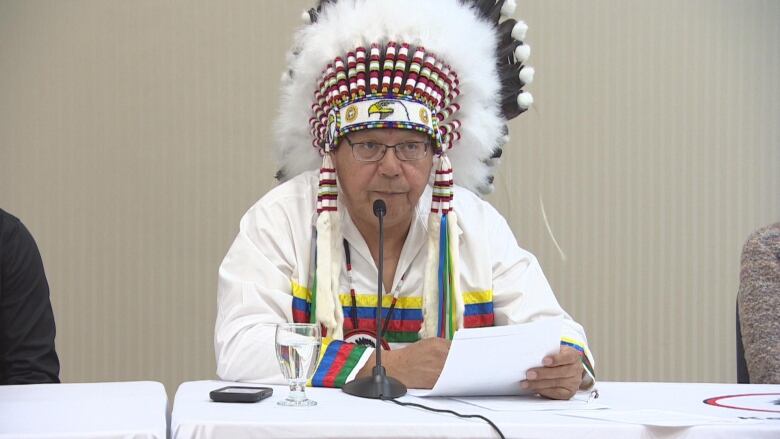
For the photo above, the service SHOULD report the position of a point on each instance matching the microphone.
(380, 210)
(378, 385)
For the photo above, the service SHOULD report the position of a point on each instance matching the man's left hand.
(560, 377)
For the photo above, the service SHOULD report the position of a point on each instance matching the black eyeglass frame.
(426, 146)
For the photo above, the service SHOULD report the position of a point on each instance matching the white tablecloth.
(129, 410)
(339, 415)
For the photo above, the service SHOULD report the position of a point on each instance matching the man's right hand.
(418, 365)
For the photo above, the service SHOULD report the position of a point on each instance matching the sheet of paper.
(657, 418)
(522, 403)
(492, 361)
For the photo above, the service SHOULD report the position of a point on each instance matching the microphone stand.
(378, 385)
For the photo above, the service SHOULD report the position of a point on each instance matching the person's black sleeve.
(27, 330)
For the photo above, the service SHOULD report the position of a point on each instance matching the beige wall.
(133, 135)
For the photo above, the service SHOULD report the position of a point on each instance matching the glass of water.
(297, 350)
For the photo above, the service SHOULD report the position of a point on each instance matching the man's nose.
(390, 166)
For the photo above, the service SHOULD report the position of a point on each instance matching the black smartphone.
(240, 394)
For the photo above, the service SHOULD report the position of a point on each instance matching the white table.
(126, 410)
(339, 415)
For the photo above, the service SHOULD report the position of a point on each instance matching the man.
(27, 354)
(387, 92)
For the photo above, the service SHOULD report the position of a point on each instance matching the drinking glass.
(297, 350)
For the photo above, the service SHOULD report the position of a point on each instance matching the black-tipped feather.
(312, 15)
(506, 49)
(485, 6)
(505, 29)
(510, 75)
(509, 107)
(495, 12)
(322, 3)
(511, 113)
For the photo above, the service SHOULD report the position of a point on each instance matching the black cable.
(495, 427)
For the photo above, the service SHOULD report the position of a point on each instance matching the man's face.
(399, 183)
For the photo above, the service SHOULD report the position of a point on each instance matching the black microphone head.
(380, 208)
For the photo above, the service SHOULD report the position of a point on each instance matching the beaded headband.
(416, 94)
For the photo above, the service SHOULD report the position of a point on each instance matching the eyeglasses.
(375, 151)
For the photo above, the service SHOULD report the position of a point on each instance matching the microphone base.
(377, 386)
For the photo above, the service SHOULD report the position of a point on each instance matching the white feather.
(430, 297)
(305, 17)
(290, 57)
(522, 53)
(329, 256)
(525, 100)
(527, 74)
(508, 8)
(519, 30)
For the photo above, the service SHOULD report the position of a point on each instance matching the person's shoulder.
(11, 228)
(300, 189)
(768, 233)
(765, 239)
(290, 199)
(16, 242)
(470, 206)
(7, 220)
